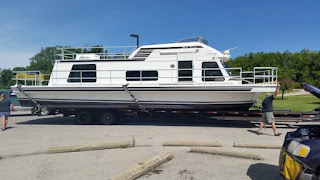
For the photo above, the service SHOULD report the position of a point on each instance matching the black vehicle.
(300, 155)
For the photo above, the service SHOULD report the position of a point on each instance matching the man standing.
(5, 105)
(267, 113)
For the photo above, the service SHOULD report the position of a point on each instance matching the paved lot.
(29, 135)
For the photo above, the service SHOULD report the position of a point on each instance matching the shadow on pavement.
(58, 120)
(163, 121)
(254, 132)
(186, 122)
(9, 127)
(261, 171)
(15, 115)
(50, 120)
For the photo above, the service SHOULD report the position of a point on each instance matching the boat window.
(145, 76)
(83, 73)
(186, 73)
(211, 72)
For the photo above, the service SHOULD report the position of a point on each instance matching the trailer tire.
(44, 112)
(84, 117)
(108, 117)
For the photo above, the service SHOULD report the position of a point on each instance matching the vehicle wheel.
(52, 111)
(108, 117)
(44, 112)
(84, 117)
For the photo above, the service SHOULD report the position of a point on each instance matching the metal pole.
(137, 41)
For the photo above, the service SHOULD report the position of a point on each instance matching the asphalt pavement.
(24, 143)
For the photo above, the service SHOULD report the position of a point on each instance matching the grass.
(293, 103)
(291, 91)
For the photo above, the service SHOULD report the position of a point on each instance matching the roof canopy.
(194, 39)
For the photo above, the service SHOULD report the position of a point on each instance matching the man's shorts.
(4, 114)
(267, 117)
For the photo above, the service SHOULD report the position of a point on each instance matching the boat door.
(185, 67)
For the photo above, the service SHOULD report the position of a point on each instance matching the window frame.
(185, 73)
(142, 76)
(79, 73)
(214, 69)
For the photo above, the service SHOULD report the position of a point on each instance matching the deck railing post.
(276, 76)
(62, 53)
(254, 75)
(140, 76)
(35, 79)
(80, 77)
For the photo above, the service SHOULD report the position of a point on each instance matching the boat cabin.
(187, 62)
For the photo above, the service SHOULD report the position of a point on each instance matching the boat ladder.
(133, 98)
(34, 101)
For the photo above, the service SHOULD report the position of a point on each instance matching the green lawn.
(291, 91)
(293, 103)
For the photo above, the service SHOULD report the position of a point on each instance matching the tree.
(303, 66)
(286, 84)
(6, 81)
(44, 60)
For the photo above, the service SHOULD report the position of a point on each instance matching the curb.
(226, 153)
(144, 167)
(258, 146)
(92, 147)
(193, 143)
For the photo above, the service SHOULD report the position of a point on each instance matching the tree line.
(293, 68)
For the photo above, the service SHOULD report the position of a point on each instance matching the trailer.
(108, 117)
(112, 115)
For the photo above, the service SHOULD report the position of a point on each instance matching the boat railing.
(258, 76)
(102, 53)
(30, 78)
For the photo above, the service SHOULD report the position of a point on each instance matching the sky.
(255, 26)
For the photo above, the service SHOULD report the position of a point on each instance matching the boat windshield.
(225, 67)
(195, 39)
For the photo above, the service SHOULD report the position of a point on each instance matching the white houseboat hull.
(192, 98)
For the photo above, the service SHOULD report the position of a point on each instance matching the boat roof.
(195, 39)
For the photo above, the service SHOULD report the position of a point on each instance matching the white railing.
(30, 78)
(259, 76)
(104, 53)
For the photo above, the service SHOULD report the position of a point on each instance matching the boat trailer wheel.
(107, 117)
(84, 117)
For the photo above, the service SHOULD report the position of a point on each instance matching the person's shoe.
(4, 129)
(259, 133)
(278, 134)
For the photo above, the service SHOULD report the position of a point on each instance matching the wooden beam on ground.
(91, 147)
(258, 146)
(193, 143)
(225, 152)
(144, 167)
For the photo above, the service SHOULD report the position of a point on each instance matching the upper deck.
(187, 62)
